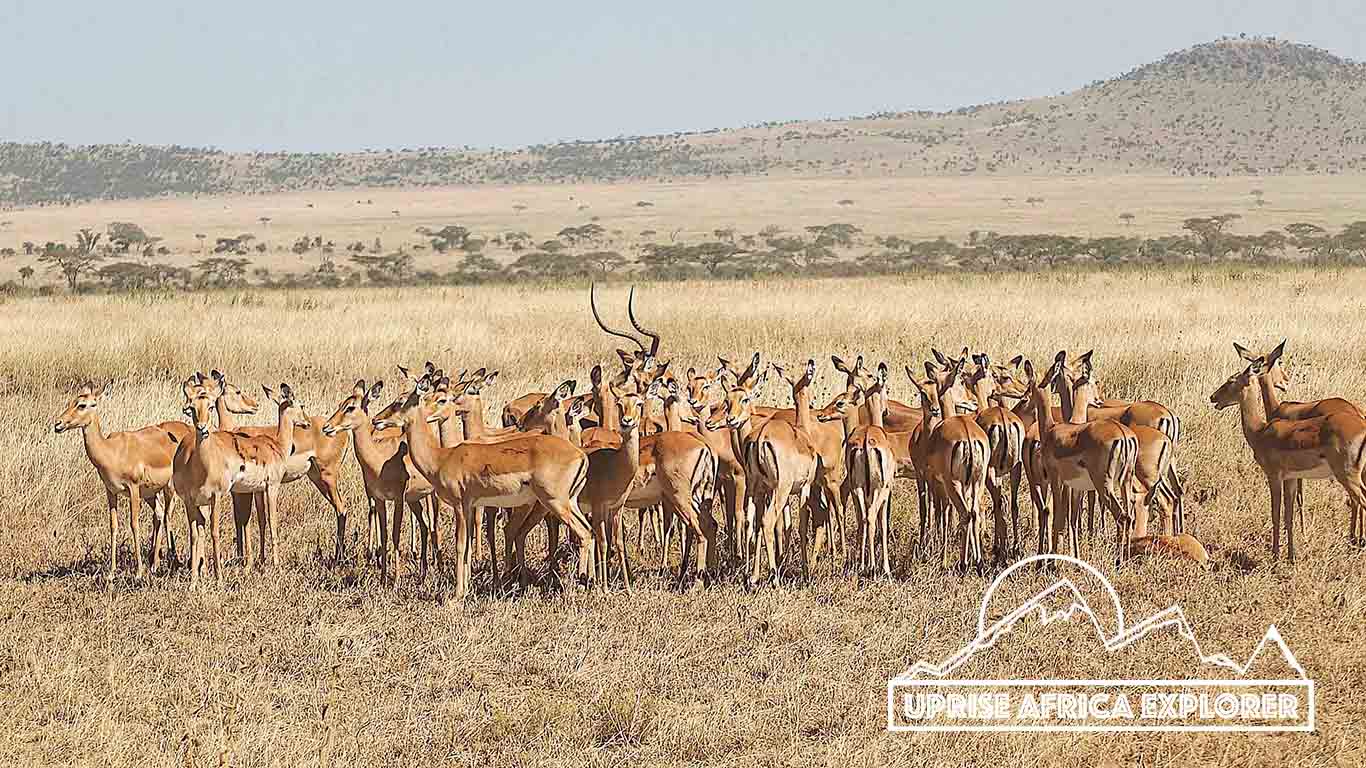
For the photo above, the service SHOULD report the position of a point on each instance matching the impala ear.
(909, 373)
(373, 394)
(1085, 359)
(939, 356)
(407, 376)
(882, 371)
(108, 388)
(595, 375)
(566, 390)
(858, 364)
(490, 378)
(286, 392)
(1016, 361)
(692, 373)
(1060, 358)
(270, 394)
(575, 410)
(429, 368)
(673, 387)
(423, 385)
(811, 369)
(218, 376)
(1275, 355)
(931, 370)
(1244, 352)
(759, 382)
(1029, 371)
(839, 365)
(627, 359)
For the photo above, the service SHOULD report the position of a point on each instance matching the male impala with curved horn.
(136, 464)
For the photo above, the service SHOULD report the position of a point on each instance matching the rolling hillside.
(1229, 107)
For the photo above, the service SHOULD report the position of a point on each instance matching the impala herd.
(687, 450)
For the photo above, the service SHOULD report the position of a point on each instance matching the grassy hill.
(1229, 107)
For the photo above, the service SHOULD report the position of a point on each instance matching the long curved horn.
(631, 312)
(593, 303)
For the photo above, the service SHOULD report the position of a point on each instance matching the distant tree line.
(126, 258)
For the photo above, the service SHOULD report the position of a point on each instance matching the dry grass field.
(322, 664)
(919, 208)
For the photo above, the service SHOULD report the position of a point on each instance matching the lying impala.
(1328, 446)
(545, 469)
(136, 464)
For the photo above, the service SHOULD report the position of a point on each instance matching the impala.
(682, 478)
(214, 464)
(387, 470)
(1005, 437)
(956, 452)
(870, 466)
(545, 469)
(611, 477)
(1274, 372)
(1328, 446)
(315, 456)
(1096, 456)
(136, 464)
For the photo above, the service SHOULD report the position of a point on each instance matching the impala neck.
(801, 402)
(981, 390)
(284, 433)
(606, 402)
(367, 447)
(96, 444)
(423, 446)
(472, 420)
(451, 433)
(1043, 410)
(227, 420)
(673, 415)
(1252, 417)
(877, 406)
(1065, 398)
(1271, 399)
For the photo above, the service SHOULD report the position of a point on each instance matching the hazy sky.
(342, 75)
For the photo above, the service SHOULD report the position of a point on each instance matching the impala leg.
(241, 518)
(213, 537)
(157, 503)
(1000, 538)
(1297, 496)
(1015, 472)
(326, 483)
(191, 512)
(463, 510)
(397, 538)
(490, 537)
(425, 532)
(1276, 488)
(619, 535)
(382, 531)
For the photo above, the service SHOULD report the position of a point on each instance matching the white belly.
(1319, 472)
(647, 495)
(519, 499)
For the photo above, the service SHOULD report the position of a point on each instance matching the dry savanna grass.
(322, 664)
(692, 210)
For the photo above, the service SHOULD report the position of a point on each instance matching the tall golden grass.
(321, 664)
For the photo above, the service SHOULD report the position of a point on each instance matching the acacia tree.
(1212, 234)
(72, 263)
